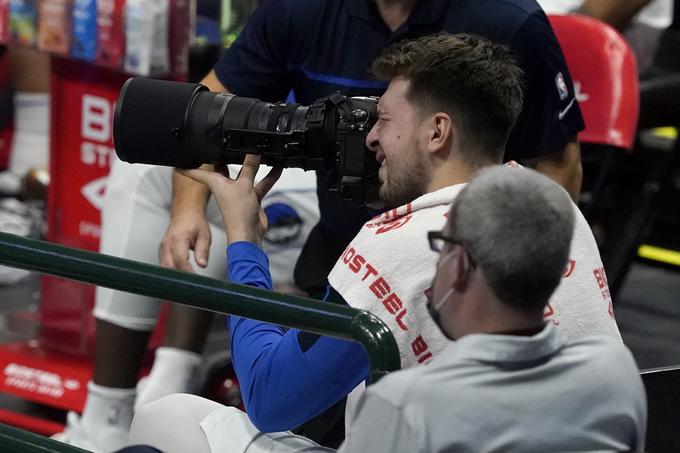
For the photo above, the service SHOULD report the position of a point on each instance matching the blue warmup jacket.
(287, 376)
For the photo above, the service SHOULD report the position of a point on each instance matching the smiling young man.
(447, 112)
(449, 108)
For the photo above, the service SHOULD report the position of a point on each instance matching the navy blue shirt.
(315, 47)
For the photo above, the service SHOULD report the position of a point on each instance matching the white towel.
(388, 267)
(581, 305)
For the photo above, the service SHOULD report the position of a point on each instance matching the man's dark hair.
(478, 83)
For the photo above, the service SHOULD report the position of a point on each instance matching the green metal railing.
(13, 440)
(208, 294)
(194, 291)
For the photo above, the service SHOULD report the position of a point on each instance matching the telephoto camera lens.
(184, 125)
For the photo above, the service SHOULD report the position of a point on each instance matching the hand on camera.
(239, 199)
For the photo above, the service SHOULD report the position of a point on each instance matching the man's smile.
(380, 157)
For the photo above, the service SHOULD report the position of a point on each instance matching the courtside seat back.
(605, 76)
(663, 400)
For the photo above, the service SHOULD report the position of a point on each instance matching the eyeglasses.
(437, 240)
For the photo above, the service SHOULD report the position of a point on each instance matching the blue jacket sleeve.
(285, 378)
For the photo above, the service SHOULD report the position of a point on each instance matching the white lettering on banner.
(37, 381)
(94, 192)
(96, 154)
(96, 118)
(89, 229)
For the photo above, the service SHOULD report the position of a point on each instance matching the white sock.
(107, 416)
(174, 371)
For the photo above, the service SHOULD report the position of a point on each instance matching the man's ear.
(460, 269)
(441, 133)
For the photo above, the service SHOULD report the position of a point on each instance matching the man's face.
(397, 139)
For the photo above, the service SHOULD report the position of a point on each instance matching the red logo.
(396, 224)
(428, 294)
(601, 277)
(378, 286)
(384, 221)
(571, 265)
(420, 349)
(548, 311)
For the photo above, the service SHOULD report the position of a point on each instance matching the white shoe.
(105, 439)
(146, 394)
(74, 434)
(174, 371)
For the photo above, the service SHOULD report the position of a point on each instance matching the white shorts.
(229, 429)
(136, 214)
(181, 423)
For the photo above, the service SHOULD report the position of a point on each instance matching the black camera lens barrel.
(185, 125)
(150, 122)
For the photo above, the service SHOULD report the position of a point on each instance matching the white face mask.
(434, 306)
(438, 304)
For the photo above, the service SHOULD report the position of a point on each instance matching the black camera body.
(184, 125)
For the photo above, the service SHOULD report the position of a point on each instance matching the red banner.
(81, 148)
